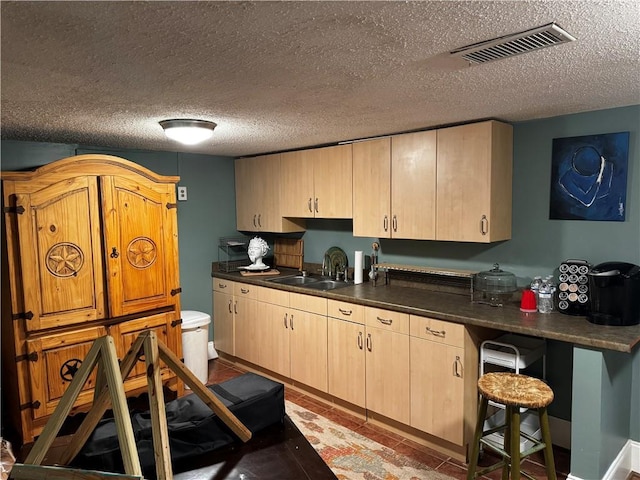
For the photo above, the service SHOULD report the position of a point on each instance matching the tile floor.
(221, 370)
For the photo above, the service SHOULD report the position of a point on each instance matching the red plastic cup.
(528, 302)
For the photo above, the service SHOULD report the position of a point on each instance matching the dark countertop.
(460, 309)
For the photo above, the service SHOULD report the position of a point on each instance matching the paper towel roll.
(358, 266)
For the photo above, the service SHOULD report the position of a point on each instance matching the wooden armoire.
(90, 247)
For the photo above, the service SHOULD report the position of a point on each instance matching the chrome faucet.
(326, 266)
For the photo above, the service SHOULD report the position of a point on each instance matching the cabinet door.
(346, 361)
(54, 360)
(61, 260)
(246, 335)
(387, 373)
(296, 192)
(474, 182)
(413, 186)
(333, 180)
(371, 188)
(125, 334)
(437, 389)
(269, 216)
(223, 336)
(308, 347)
(273, 326)
(140, 245)
(248, 188)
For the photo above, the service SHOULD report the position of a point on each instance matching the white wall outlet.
(182, 193)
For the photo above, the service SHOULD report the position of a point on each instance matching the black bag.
(193, 427)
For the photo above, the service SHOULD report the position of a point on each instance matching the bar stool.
(514, 391)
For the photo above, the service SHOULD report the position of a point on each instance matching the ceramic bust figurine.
(258, 248)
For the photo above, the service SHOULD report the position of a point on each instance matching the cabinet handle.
(360, 340)
(114, 253)
(315, 204)
(230, 307)
(369, 342)
(235, 307)
(310, 209)
(222, 285)
(291, 321)
(385, 321)
(244, 290)
(385, 223)
(484, 225)
(395, 223)
(457, 367)
(259, 218)
(255, 224)
(345, 312)
(285, 320)
(437, 333)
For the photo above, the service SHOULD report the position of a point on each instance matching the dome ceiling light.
(188, 131)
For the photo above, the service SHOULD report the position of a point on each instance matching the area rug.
(352, 456)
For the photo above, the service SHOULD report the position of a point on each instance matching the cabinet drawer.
(388, 320)
(273, 296)
(245, 290)
(224, 286)
(345, 311)
(437, 331)
(308, 303)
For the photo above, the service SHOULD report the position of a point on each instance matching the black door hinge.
(23, 315)
(171, 205)
(19, 209)
(32, 357)
(176, 322)
(176, 291)
(35, 405)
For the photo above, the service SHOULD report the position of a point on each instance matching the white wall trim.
(627, 460)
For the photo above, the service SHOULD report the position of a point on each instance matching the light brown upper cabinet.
(258, 184)
(448, 184)
(474, 182)
(316, 183)
(394, 182)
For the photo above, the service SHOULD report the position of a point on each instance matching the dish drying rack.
(232, 253)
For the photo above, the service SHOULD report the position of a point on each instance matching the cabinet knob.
(309, 204)
(360, 342)
(114, 252)
(385, 223)
(369, 342)
(315, 204)
(457, 367)
(484, 225)
(395, 223)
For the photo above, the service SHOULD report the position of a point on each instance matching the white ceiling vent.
(514, 44)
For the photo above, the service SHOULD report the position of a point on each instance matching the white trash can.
(195, 340)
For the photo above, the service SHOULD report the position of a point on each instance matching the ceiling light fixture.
(187, 131)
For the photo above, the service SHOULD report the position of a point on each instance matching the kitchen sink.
(314, 283)
(295, 280)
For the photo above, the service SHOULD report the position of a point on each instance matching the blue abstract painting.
(589, 177)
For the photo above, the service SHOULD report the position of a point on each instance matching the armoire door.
(60, 252)
(140, 244)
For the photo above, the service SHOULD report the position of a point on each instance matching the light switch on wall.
(182, 193)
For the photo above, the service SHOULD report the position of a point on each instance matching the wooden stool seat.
(514, 391)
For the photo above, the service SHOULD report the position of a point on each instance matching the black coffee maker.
(615, 294)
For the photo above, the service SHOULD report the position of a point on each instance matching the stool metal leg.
(475, 447)
(548, 447)
(514, 434)
(507, 442)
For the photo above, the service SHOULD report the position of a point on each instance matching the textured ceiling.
(283, 75)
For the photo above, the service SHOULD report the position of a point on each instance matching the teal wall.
(537, 247)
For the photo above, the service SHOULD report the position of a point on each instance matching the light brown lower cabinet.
(387, 363)
(223, 321)
(245, 310)
(418, 371)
